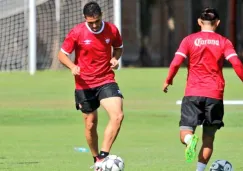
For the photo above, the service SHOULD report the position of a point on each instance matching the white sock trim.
(201, 166)
(187, 138)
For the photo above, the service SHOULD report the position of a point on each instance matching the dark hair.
(209, 14)
(92, 9)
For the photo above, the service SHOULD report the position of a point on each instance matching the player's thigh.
(192, 112)
(87, 101)
(113, 106)
(214, 111)
(111, 99)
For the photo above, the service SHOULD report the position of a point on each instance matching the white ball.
(221, 165)
(113, 163)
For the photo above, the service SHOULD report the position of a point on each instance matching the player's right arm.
(232, 57)
(180, 56)
(67, 48)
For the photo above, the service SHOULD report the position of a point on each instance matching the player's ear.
(217, 23)
(199, 21)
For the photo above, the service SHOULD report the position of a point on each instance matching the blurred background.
(151, 29)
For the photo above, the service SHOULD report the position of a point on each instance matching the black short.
(196, 110)
(88, 100)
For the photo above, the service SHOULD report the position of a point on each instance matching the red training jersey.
(93, 51)
(206, 52)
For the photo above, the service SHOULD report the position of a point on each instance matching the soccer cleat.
(190, 152)
(98, 165)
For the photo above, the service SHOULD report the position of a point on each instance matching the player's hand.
(165, 87)
(76, 70)
(114, 63)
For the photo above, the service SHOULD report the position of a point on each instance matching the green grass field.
(39, 126)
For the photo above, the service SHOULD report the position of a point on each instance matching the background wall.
(152, 37)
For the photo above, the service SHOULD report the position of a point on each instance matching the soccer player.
(203, 100)
(93, 41)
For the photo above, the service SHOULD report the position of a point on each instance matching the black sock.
(95, 159)
(103, 154)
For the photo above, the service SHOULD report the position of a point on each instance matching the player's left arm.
(179, 58)
(117, 49)
(238, 66)
(232, 57)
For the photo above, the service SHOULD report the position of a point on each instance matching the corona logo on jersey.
(200, 42)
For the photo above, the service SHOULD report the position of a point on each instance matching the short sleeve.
(69, 43)
(183, 48)
(229, 50)
(117, 42)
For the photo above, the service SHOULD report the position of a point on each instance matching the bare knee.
(183, 133)
(90, 124)
(182, 139)
(117, 118)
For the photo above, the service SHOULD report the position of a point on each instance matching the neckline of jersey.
(98, 32)
(207, 31)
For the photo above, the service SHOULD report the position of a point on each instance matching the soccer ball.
(113, 163)
(221, 165)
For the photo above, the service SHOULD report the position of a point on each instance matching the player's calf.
(111, 132)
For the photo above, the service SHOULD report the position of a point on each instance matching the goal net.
(52, 25)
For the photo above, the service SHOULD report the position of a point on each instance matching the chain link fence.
(50, 31)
